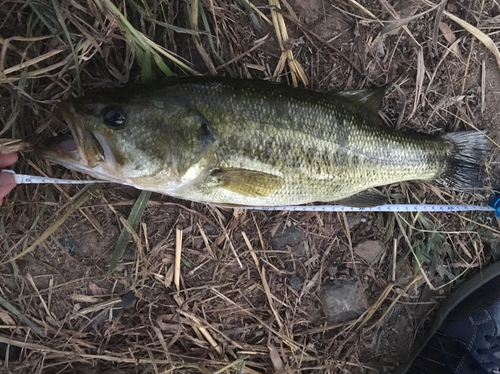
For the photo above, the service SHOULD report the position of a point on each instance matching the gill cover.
(136, 138)
(191, 140)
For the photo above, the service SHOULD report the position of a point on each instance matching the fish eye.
(114, 117)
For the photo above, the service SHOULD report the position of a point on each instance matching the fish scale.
(255, 143)
(326, 148)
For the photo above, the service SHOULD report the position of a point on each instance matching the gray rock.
(369, 250)
(299, 250)
(342, 300)
(129, 254)
(353, 220)
(209, 229)
(289, 238)
(296, 283)
(70, 244)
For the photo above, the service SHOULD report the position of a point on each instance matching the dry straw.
(198, 289)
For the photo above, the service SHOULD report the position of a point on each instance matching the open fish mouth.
(62, 146)
(81, 149)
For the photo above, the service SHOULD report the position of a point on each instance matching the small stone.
(14, 352)
(452, 8)
(289, 238)
(296, 283)
(129, 254)
(70, 244)
(342, 300)
(404, 275)
(353, 220)
(209, 229)
(299, 250)
(370, 250)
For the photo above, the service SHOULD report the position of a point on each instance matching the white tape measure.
(33, 179)
(379, 208)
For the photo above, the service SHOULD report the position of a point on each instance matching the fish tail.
(463, 169)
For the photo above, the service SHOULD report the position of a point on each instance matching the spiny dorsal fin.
(246, 182)
(365, 199)
(370, 99)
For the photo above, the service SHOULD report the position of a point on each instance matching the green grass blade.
(206, 25)
(42, 17)
(61, 21)
(142, 40)
(177, 29)
(15, 268)
(11, 308)
(133, 219)
(85, 194)
(147, 74)
(250, 13)
(162, 66)
(16, 102)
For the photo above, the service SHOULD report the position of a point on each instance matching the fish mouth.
(81, 149)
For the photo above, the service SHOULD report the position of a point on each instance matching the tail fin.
(464, 169)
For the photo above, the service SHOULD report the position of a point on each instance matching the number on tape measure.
(380, 208)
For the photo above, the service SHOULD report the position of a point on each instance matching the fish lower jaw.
(96, 172)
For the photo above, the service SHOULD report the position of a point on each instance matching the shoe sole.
(455, 298)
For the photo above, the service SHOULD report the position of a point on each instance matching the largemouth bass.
(251, 142)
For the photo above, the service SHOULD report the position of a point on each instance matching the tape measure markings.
(32, 179)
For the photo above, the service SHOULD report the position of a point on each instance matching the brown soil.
(241, 307)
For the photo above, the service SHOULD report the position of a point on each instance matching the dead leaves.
(450, 37)
(296, 70)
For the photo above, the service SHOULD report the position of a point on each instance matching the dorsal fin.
(370, 99)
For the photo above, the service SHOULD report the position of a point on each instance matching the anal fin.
(365, 199)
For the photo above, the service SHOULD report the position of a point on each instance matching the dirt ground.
(257, 292)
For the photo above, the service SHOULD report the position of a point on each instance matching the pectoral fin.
(365, 199)
(248, 182)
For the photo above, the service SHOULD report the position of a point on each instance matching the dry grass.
(198, 289)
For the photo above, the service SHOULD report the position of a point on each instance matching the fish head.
(158, 144)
